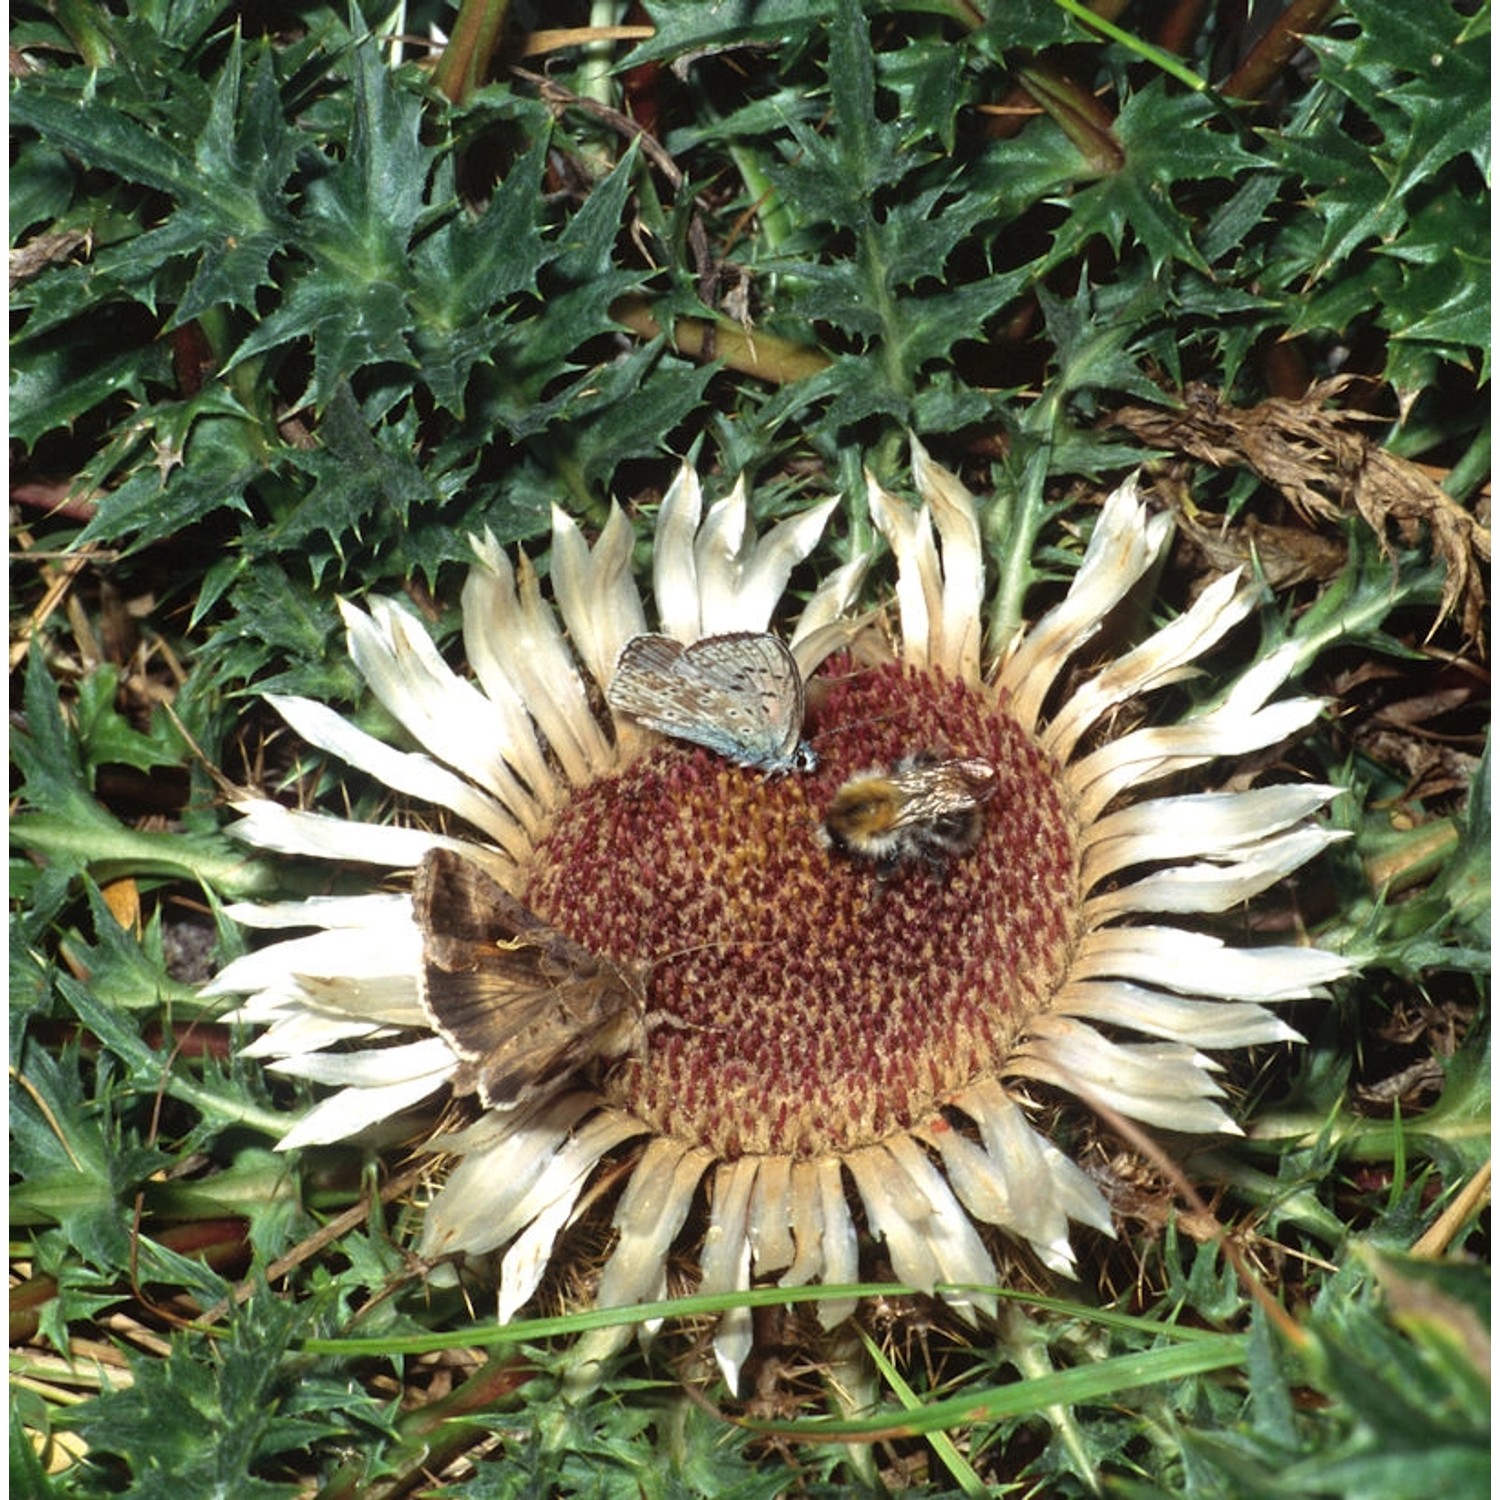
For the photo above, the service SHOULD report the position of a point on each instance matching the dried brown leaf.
(1326, 467)
(1284, 555)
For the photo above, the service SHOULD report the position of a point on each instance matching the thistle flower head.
(831, 1049)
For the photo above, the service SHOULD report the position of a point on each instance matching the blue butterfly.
(739, 695)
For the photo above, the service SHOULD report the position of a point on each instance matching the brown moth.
(521, 1005)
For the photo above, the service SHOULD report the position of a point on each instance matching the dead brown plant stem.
(1265, 61)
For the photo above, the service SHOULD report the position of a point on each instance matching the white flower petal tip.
(1126, 541)
(353, 1110)
(269, 825)
(712, 575)
(956, 513)
(595, 590)
(518, 652)
(725, 1260)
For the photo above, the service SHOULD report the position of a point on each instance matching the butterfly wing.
(646, 684)
(656, 683)
(757, 678)
(739, 695)
(519, 1003)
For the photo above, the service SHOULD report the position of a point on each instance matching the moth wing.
(482, 952)
(518, 1002)
(459, 907)
(525, 1041)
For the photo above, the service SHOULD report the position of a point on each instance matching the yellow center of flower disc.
(798, 1002)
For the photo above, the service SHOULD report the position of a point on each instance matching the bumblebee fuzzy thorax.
(863, 813)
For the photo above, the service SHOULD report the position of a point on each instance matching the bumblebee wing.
(944, 789)
(978, 776)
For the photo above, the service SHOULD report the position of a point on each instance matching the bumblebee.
(923, 808)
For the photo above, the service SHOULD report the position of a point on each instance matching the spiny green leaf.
(106, 737)
(207, 1422)
(277, 622)
(359, 216)
(1037, 164)
(946, 318)
(54, 1129)
(56, 777)
(1455, 1132)
(684, 26)
(73, 1158)
(155, 34)
(352, 323)
(80, 1293)
(228, 217)
(1346, 185)
(246, 153)
(583, 249)
(364, 483)
(1442, 293)
(30, 1419)
(1168, 139)
(470, 276)
(926, 77)
(215, 469)
(58, 819)
(621, 411)
(362, 210)
(916, 238)
(837, 176)
(1029, 26)
(1090, 332)
(126, 970)
(41, 183)
(88, 127)
(864, 149)
(1424, 66)
(64, 373)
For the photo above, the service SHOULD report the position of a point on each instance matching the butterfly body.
(739, 695)
(922, 808)
(520, 1004)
